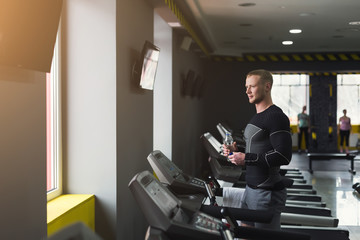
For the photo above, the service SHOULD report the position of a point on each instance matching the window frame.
(56, 126)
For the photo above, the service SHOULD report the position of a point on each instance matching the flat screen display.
(149, 61)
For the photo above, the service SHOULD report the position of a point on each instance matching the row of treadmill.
(179, 206)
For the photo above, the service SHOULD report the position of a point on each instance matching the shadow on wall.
(192, 84)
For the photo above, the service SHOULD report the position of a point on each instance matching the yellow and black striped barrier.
(291, 57)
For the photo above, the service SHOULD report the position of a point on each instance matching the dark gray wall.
(225, 98)
(188, 121)
(134, 113)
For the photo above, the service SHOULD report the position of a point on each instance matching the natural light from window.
(53, 136)
(348, 96)
(290, 92)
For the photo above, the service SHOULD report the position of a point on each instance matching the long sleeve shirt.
(268, 146)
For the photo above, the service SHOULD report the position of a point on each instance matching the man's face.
(255, 89)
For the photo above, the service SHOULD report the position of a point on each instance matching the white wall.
(89, 105)
(22, 154)
(163, 88)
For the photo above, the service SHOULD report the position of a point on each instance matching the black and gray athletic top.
(268, 146)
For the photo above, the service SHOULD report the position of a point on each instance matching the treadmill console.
(169, 173)
(222, 130)
(164, 211)
(220, 167)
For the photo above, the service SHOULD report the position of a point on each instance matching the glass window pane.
(53, 161)
(290, 79)
(290, 93)
(348, 96)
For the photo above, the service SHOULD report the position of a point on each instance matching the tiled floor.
(334, 183)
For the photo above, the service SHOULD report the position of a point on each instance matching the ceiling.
(238, 27)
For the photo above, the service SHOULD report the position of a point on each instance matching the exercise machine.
(182, 184)
(328, 156)
(170, 219)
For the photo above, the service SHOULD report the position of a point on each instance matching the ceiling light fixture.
(247, 4)
(295, 31)
(306, 14)
(287, 42)
(174, 24)
(354, 23)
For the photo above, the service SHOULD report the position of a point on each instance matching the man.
(303, 128)
(268, 146)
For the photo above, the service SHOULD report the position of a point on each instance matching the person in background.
(268, 146)
(303, 129)
(344, 129)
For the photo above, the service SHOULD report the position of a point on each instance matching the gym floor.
(333, 183)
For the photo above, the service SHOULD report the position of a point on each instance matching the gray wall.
(225, 98)
(28, 32)
(134, 113)
(22, 154)
(187, 112)
(89, 105)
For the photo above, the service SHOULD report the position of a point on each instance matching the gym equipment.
(181, 183)
(226, 171)
(329, 156)
(166, 213)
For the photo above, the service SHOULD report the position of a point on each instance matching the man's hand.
(237, 158)
(227, 149)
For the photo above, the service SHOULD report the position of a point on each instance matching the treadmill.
(170, 219)
(181, 183)
(226, 171)
(223, 128)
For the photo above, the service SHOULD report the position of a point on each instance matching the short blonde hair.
(265, 76)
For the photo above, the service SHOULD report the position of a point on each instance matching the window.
(348, 96)
(53, 127)
(291, 93)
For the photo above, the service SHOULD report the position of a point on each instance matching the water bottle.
(228, 141)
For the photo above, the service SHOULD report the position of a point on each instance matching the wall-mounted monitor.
(145, 68)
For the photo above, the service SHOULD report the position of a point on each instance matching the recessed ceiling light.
(287, 42)
(174, 24)
(306, 14)
(247, 4)
(295, 31)
(354, 23)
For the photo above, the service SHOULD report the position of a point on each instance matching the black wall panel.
(323, 105)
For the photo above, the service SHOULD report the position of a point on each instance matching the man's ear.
(267, 86)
